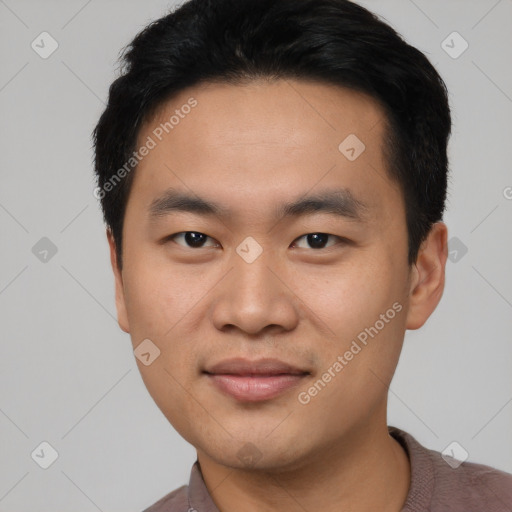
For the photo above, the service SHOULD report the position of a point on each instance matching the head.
(273, 179)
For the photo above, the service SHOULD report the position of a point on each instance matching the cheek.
(347, 296)
(165, 303)
(159, 293)
(158, 300)
(363, 303)
(168, 385)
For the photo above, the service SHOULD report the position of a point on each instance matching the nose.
(256, 298)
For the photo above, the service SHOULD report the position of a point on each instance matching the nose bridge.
(254, 285)
(251, 272)
(253, 297)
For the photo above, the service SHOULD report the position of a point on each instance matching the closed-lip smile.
(254, 381)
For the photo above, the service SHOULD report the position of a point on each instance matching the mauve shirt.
(435, 485)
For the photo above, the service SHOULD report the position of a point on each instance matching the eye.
(317, 240)
(193, 239)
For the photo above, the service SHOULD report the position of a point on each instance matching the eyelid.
(171, 238)
(341, 240)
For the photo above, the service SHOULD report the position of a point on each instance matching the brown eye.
(192, 239)
(317, 240)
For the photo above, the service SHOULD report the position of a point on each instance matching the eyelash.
(173, 237)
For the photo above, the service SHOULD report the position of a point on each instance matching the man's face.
(212, 296)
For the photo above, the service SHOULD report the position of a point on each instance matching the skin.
(252, 147)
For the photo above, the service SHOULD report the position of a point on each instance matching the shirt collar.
(199, 499)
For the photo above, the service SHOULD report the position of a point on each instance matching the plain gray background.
(68, 374)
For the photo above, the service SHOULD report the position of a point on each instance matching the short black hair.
(235, 41)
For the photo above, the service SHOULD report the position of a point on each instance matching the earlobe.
(122, 317)
(428, 279)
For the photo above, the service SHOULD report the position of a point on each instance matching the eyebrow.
(340, 202)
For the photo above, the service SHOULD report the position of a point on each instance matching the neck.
(367, 470)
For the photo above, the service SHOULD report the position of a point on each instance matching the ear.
(122, 317)
(428, 276)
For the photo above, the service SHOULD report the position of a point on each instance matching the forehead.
(254, 145)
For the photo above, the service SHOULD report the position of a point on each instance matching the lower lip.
(256, 388)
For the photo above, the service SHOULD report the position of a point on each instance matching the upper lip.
(267, 366)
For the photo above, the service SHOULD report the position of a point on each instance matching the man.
(273, 178)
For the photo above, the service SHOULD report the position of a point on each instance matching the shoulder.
(187, 498)
(441, 483)
(471, 485)
(175, 501)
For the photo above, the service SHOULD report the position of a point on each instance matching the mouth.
(254, 381)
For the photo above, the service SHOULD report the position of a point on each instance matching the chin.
(257, 453)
